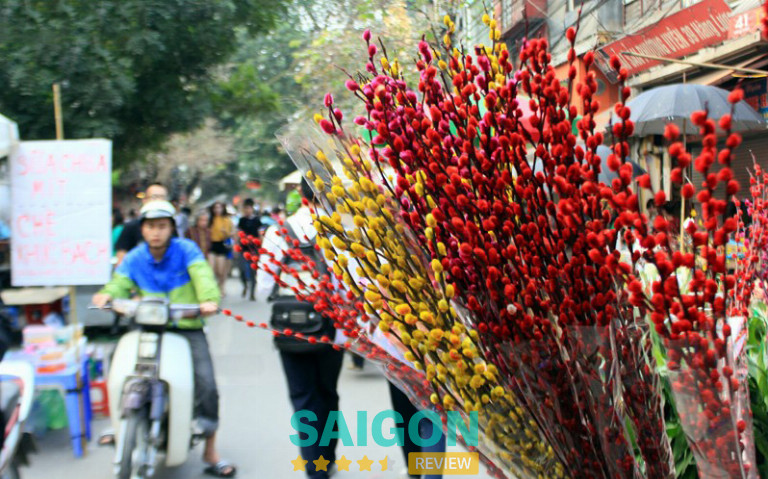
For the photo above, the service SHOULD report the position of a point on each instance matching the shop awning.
(715, 77)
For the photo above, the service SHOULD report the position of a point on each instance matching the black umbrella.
(606, 175)
(652, 110)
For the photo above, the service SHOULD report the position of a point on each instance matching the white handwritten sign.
(61, 197)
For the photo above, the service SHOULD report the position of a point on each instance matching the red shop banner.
(678, 35)
(745, 23)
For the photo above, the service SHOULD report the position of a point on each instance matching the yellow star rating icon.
(343, 463)
(321, 464)
(299, 464)
(365, 463)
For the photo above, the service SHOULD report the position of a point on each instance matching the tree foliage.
(135, 71)
(311, 53)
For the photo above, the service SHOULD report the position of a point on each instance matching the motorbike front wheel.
(135, 446)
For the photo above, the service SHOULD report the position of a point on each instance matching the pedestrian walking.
(118, 223)
(311, 370)
(250, 225)
(200, 233)
(222, 231)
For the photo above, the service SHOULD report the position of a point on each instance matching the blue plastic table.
(66, 381)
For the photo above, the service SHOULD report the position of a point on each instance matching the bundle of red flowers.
(485, 246)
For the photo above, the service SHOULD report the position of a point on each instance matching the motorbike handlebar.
(128, 307)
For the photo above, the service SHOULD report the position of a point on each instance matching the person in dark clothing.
(131, 236)
(250, 225)
(402, 405)
(312, 376)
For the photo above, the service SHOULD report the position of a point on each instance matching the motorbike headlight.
(152, 314)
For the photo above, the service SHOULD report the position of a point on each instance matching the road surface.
(255, 414)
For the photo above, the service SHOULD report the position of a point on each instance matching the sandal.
(221, 469)
(107, 439)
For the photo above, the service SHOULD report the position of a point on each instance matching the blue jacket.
(183, 276)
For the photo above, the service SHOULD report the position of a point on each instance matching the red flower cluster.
(508, 209)
(529, 245)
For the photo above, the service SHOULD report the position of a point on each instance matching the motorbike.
(17, 388)
(151, 389)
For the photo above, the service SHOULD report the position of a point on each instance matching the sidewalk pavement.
(255, 414)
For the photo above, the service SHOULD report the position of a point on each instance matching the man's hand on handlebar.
(101, 299)
(209, 308)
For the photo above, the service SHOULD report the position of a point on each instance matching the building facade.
(646, 35)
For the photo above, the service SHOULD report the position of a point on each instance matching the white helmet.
(157, 209)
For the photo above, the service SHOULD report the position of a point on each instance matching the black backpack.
(288, 312)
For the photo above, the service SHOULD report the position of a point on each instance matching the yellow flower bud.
(437, 267)
(402, 309)
(416, 283)
(431, 220)
(357, 249)
(399, 286)
(486, 19)
(366, 184)
(382, 280)
(318, 117)
(338, 243)
(319, 184)
(372, 296)
(449, 291)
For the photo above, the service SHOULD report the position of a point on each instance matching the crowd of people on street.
(215, 228)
